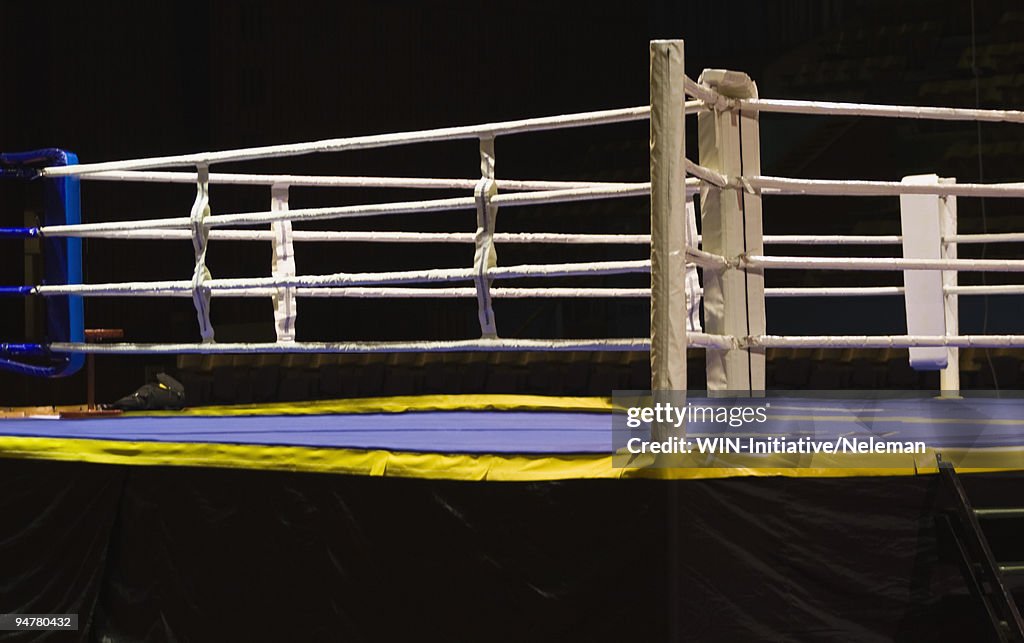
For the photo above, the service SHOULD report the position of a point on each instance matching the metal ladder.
(984, 575)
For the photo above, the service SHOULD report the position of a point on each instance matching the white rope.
(527, 237)
(879, 239)
(832, 240)
(373, 141)
(886, 341)
(1002, 289)
(882, 263)
(1002, 237)
(435, 275)
(824, 187)
(351, 211)
(457, 346)
(577, 194)
(833, 108)
(296, 180)
(496, 293)
(556, 293)
(715, 100)
(865, 291)
(411, 293)
(698, 340)
(385, 236)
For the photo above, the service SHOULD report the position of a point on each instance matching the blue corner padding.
(63, 257)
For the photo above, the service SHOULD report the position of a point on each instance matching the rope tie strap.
(485, 258)
(707, 175)
(742, 183)
(284, 266)
(200, 239)
(712, 99)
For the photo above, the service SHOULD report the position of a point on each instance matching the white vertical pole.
(283, 266)
(949, 377)
(668, 218)
(729, 143)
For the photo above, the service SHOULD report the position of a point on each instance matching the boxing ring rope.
(303, 180)
(352, 211)
(434, 275)
(713, 99)
(490, 130)
(733, 265)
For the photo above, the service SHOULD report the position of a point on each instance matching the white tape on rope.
(694, 292)
(200, 237)
(485, 257)
(283, 267)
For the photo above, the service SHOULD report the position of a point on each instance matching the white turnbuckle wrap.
(200, 239)
(485, 256)
(285, 309)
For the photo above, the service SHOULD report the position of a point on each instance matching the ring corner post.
(65, 316)
(668, 219)
(734, 304)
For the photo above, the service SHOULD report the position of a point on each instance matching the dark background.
(120, 80)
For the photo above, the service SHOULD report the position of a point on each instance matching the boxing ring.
(413, 455)
(729, 253)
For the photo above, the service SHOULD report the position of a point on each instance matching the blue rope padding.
(22, 349)
(15, 291)
(19, 233)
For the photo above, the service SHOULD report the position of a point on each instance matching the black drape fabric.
(192, 554)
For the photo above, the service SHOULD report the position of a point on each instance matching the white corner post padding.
(921, 220)
(283, 266)
(729, 144)
(484, 257)
(200, 243)
(668, 218)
